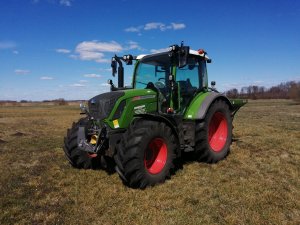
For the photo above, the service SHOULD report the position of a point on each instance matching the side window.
(187, 79)
(203, 73)
(189, 75)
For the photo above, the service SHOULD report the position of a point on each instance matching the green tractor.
(143, 130)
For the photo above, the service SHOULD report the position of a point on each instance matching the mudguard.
(207, 102)
(199, 106)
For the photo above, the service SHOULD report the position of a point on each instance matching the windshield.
(146, 73)
(154, 68)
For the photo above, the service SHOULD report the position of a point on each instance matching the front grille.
(101, 105)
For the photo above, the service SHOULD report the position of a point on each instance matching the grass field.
(258, 183)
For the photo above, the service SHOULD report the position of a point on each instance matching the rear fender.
(199, 107)
(208, 101)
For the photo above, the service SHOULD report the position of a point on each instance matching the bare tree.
(285, 90)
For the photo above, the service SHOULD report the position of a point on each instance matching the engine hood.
(101, 105)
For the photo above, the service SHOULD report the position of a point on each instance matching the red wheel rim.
(155, 157)
(217, 132)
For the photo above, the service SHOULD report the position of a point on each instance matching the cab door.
(188, 82)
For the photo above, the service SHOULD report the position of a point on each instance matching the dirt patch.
(2, 141)
(18, 134)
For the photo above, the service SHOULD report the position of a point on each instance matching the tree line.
(285, 90)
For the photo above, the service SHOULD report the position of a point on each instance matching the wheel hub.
(155, 156)
(217, 132)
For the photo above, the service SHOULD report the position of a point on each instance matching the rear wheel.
(214, 134)
(78, 158)
(146, 154)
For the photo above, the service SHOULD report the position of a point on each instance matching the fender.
(201, 104)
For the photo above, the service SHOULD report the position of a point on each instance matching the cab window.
(188, 81)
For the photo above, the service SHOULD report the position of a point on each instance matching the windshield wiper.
(140, 82)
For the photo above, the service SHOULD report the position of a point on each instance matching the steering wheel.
(160, 84)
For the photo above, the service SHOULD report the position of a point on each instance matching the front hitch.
(89, 146)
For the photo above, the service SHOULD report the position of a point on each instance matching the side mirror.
(110, 82)
(180, 54)
(113, 66)
(183, 54)
(213, 84)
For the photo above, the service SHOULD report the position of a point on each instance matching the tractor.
(143, 130)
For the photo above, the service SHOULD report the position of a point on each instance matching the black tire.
(78, 158)
(214, 134)
(144, 140)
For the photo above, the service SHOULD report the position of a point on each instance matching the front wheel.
(146, 154)
(77, 157)
(214, 134)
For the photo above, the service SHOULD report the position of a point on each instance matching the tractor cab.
(177, 76)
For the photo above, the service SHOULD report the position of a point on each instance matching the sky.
(53, 49)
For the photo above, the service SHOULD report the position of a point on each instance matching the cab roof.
(161, 54)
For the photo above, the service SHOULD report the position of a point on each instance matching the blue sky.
(61, 48)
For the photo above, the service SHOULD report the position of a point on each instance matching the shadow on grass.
(295, 102)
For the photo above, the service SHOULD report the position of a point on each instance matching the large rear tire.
(214, 134)
(78, 158)
(146, 154)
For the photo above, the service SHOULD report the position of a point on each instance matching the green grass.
(258, 183)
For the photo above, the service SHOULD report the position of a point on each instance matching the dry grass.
(257, 184)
